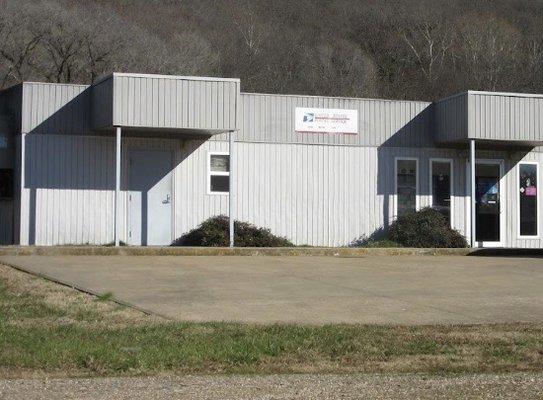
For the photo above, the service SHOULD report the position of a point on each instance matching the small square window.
(220, 183)
(219, 163)
(219, 173)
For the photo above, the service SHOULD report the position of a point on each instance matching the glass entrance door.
(441, 184)
(487, 197)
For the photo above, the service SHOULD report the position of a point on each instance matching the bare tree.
(401, 49)
(488, 52)
(19, 38)
(429, 43)
(338, 67)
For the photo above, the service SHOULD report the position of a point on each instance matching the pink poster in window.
(531, 191)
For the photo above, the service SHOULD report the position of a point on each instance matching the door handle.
(166, 200)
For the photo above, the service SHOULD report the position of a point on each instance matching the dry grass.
(66, 305)
(49, 329)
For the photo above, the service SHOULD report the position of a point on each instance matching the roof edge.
(159, 76)
(334, 97)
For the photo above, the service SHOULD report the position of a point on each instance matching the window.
(6, 183)
(441, 186)
(219, 173)
(528, 199)
(406, 186)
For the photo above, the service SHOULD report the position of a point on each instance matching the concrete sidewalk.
(316, 290)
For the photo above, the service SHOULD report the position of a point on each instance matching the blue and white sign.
(326, 120)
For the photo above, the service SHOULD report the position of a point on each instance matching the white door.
(150, 197)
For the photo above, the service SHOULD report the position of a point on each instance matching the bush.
(384, 243)
(376, 239)
(425, 228)
(214, 232)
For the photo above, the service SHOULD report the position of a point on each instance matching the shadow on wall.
(415, 141)
(56, 158)
(406, 142)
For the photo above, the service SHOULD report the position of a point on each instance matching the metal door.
(150, 197)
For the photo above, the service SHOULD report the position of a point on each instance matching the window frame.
(217, 173)
(517, 189)
(450, 161)
(417, 189)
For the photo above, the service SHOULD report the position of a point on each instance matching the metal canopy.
(491, 118)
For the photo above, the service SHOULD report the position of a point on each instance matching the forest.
(408, 49)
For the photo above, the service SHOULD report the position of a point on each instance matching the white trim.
(505, 94)
(486, 93)
(217, 173)
(450, 161)
(519, 236)
(396, 159)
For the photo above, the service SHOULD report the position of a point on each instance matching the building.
(144, 158)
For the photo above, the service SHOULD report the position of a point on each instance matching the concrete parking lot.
(315, 290)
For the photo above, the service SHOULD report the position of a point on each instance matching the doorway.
(441, 184)
(150, 198)
(488, 203)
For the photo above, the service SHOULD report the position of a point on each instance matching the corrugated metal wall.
(68, 190)
(511, 197)
(55, 108)
(68, 195)
(11, 104)
(318, 195)
(505, 117)
(6, 222)
(102, 104)
(174, 102)
(489, 116)
(451, 119)
(270, 118)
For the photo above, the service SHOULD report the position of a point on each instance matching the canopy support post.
(472, 191)
(117, 185)
(231, 187)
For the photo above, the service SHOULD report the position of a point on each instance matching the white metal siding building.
(188, 148)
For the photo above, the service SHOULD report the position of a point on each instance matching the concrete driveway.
(316, 290)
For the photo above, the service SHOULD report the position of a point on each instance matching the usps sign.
(326, 120)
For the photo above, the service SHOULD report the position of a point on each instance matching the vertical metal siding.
(10, 104)
(451, 119)
(68, 191)
(6, 222)
(270, 118)
(102, 104)
(174, 102)
(50, 108)
(318, 195)
(505, 117)
(511, 195)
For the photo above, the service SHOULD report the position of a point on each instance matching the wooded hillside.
(411, 49)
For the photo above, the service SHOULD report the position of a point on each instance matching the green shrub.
(214, 232)
(425, 228)
(384, 243)
(377, 239)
